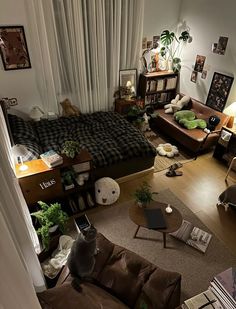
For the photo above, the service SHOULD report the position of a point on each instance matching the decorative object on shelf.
(20, 151)
(36, 113)
(13, 48)
(167, 150)
(128, 83)
(172, 46)
(231, 111)
(47, 217)
(81, 178)
(168, 209)
(9, 102)
(71, 149)
(143, 195)
(107, 191)
(219, 91)
(68, 109)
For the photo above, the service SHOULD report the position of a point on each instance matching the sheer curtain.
(88, 41)
(17, 221)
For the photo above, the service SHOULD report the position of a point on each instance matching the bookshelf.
(158, 88)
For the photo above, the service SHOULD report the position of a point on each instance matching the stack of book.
(223, 286)
(51, 158)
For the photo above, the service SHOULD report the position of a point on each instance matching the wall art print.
(219, 91)
(13, 48)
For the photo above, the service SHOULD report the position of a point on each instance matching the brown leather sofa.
(194, 140)
(124, 280)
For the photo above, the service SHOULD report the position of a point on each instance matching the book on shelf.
(224, 284)
(153, 84)
(193, 236)
(206, 300)
(51, 158)
(160, 84)
(171, 83)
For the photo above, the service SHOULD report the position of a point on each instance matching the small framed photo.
(199, 64)
(193, 76)
(219, 91)
(13, 48)
(128, 81)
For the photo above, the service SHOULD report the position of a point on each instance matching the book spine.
(223, 297)
(222, 288)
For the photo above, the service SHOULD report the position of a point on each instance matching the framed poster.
(219, 91)
(128, 82)
(13, 48)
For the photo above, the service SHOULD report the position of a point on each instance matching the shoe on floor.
(172, 173)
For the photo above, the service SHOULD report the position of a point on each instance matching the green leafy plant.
(143, 194)
(71, 148)
(171, 46)
(68, 176)
(48, 216)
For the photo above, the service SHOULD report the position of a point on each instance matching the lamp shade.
(231, 111)
(19, 151)
(36, 113)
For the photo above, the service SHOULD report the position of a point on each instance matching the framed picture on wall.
(13, 48)
(219, 91)
(128, 82)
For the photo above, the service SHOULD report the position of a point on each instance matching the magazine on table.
(206, 300)
(193, 236)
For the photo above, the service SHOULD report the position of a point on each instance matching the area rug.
(161, 162)
(197, 269)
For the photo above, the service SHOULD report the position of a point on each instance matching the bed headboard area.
(4, 108)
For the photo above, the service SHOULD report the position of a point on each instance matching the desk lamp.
(19, 151)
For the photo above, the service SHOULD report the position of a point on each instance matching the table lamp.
(231, 111)
(19, 151)
(36, 113)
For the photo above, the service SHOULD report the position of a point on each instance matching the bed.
(117, 148)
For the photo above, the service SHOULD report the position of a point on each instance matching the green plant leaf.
(176, 60)
(167, 37)
(184, 36)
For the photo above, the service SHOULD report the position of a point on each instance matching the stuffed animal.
(68, 109)
(213, 121)
(188, 120)
(176, 104)
(107, 191)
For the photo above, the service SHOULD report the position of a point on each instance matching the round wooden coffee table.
(173, 220)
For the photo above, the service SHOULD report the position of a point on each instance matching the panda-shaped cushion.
(107, 191)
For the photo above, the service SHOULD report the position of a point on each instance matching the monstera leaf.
(167, 37)
(184, 36)
(176, 66)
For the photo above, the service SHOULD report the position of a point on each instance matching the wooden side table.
(122, 105)
(173, 220)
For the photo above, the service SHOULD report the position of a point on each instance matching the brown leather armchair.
(124, 280)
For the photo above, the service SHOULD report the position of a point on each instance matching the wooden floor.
(199, 187)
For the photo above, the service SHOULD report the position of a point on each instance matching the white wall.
(208, 20)
(160, 15)
(18, 83)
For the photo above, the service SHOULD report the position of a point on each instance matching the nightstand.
(41, 183)
(122, 106)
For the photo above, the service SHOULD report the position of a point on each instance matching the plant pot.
(142, 205)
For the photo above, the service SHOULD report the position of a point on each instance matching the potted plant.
(68, 176)
(49, 216)
(172, 47)
(71, 148)
(143, 195)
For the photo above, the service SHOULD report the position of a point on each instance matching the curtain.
(88, 42)
(15, 213)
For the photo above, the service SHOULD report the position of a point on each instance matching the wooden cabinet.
(122, 106)
(225, 148)
(158, 88)
(41, 183)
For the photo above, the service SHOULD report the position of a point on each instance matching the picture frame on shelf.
(13, 48)
(128, 82)
(219, 91)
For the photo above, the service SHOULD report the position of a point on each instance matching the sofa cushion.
(91, 297)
